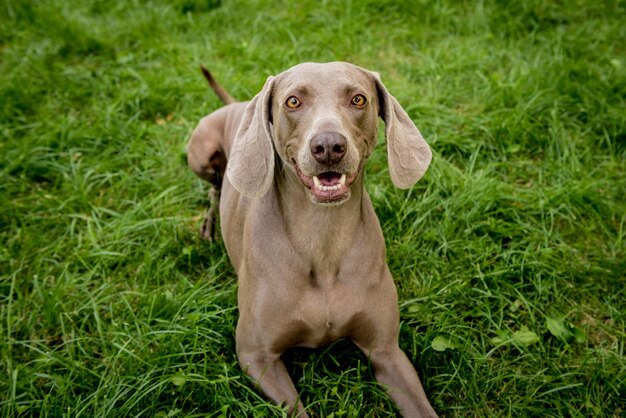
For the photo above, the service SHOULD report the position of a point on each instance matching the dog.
(299, 227)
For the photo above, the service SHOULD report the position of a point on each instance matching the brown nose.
(328, 147)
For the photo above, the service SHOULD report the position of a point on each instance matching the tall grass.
(509, 256)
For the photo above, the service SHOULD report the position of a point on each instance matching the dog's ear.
(250, 166)
(408, 155)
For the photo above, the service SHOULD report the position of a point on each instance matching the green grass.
(510, 255)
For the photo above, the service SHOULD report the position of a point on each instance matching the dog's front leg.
(394, 370)
(270, 374)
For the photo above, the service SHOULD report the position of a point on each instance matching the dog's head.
(322, 122)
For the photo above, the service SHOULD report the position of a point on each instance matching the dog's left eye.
(358, 100)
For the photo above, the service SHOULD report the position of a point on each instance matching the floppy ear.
(408, 155)
(250, 165)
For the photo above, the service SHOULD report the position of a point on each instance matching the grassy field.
(509, 257)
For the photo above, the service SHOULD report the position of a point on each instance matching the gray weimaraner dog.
(299, 227)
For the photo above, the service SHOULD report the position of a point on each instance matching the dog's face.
(325, 124)
(322, 121)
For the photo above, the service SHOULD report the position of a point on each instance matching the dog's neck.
(322, 233)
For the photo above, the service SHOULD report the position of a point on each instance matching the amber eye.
(293, 102)
(358, 100)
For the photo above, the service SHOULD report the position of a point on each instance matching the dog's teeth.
(318, 184)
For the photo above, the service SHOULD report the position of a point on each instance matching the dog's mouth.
(328, 186)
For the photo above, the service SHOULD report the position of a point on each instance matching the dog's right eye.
(293, 102)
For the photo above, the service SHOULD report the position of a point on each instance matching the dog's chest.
(327, 310)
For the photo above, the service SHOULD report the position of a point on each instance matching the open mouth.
(328, 186)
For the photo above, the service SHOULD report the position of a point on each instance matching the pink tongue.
(329, 178)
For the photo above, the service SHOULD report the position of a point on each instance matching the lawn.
(509, 256)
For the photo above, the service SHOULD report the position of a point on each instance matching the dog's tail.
(219, 90)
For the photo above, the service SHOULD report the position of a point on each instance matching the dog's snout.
(328, 147)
